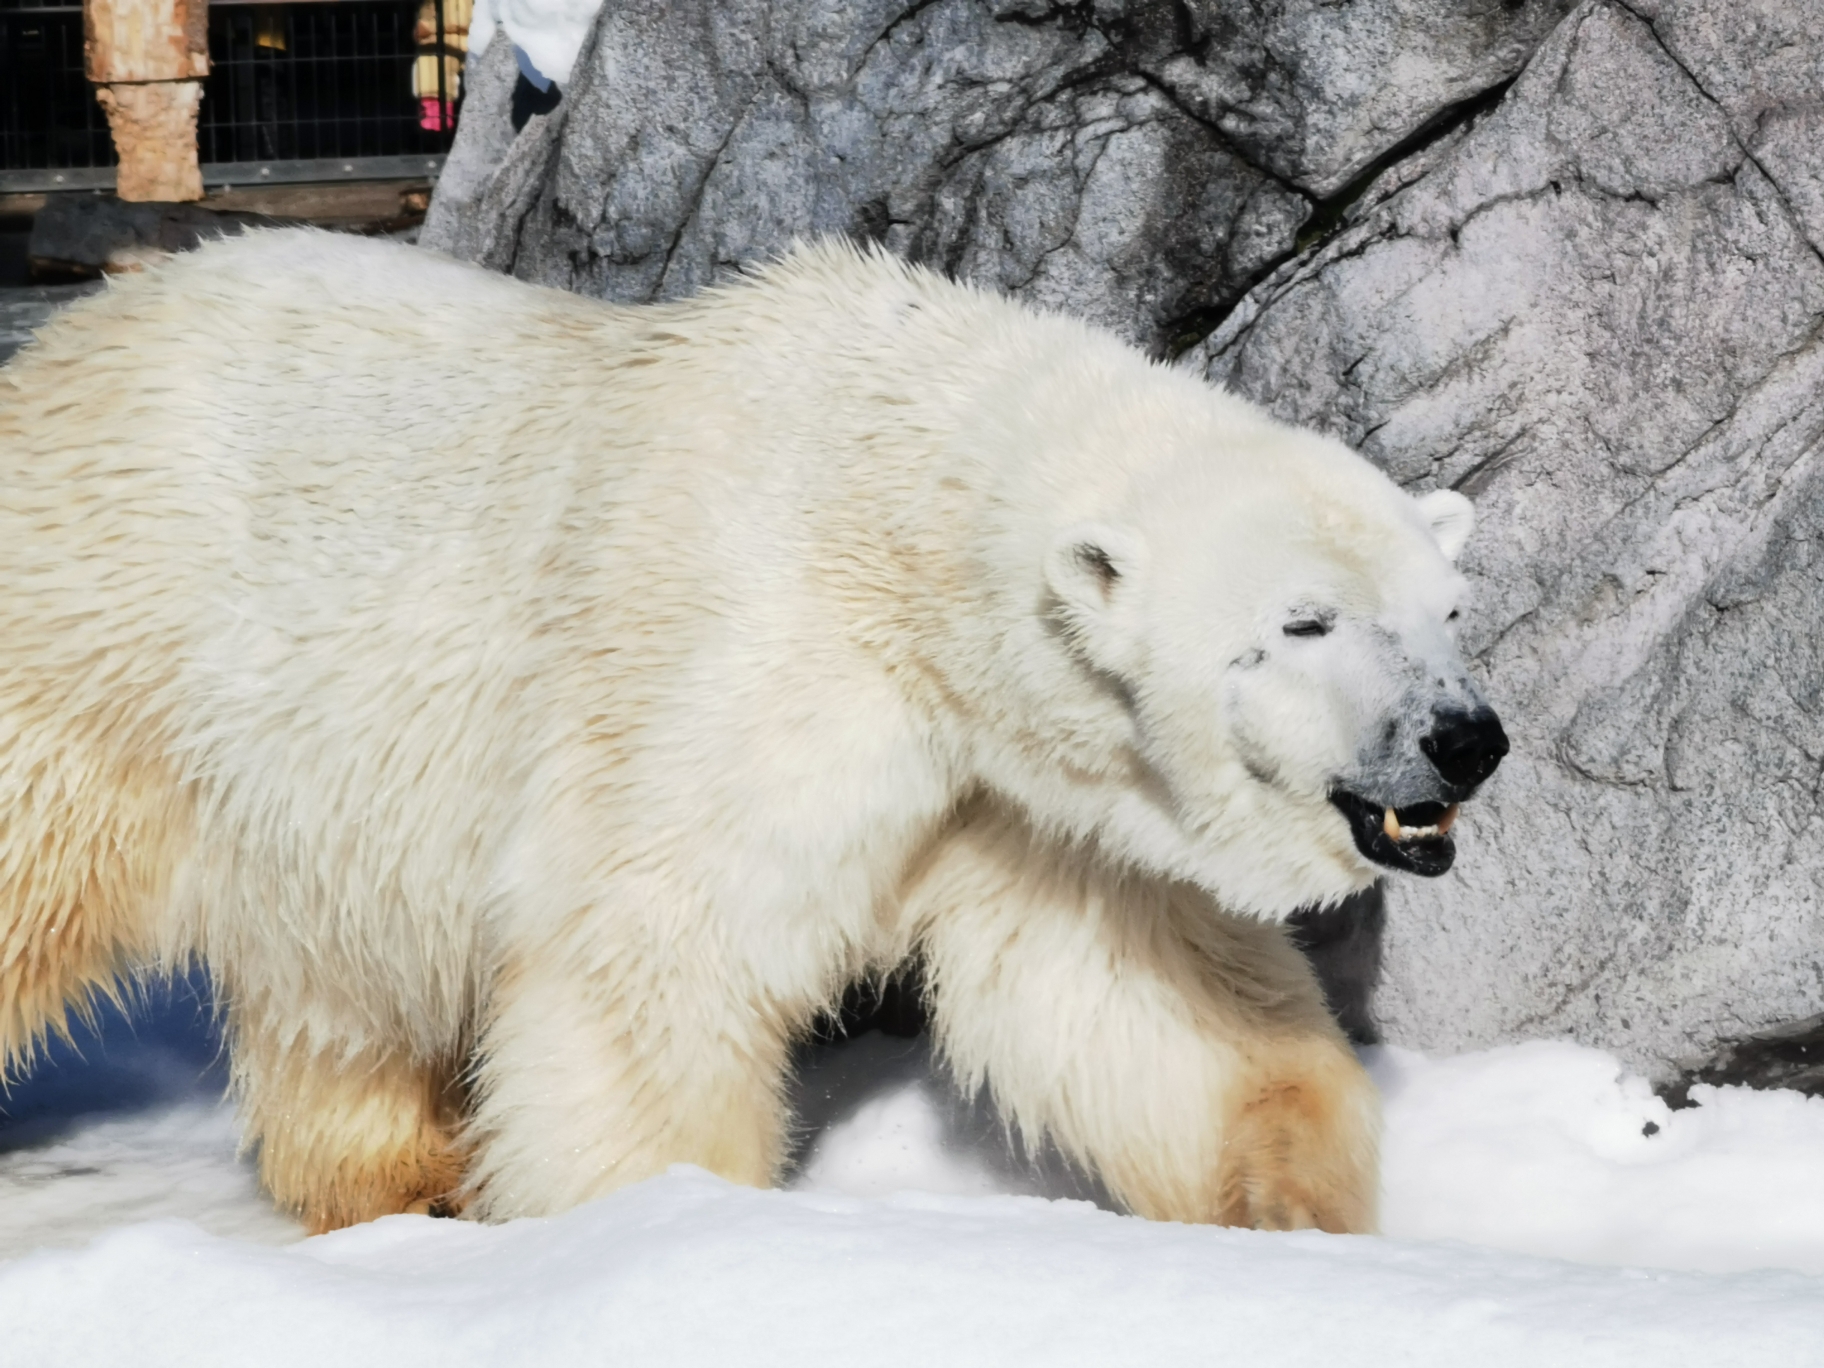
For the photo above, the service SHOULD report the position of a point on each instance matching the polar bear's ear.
(1095, 571)
(1450, 517)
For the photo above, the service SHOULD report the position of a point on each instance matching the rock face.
(1140, 162)
(1599, 310)
(1594, 301)
(455, 222)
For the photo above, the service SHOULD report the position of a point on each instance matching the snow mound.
(899, 1242)
(1550, 1148)
(688, 1270)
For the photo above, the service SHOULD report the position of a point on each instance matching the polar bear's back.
(330, 555)
(271, 519)
(301, 374)
(318, 554)
(285, 463)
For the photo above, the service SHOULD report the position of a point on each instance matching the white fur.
(579, 684)
(1451, 518)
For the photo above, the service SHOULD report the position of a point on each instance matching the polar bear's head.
(1275, 622)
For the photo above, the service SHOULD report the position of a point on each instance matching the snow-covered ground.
(1530, 1218)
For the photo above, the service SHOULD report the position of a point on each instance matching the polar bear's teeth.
(1390, 823)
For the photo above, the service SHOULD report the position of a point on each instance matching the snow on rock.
(549, 32)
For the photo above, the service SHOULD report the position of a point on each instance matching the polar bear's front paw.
(1300, 1149)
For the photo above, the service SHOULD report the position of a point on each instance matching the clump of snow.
(899, 1243)
(549, 32)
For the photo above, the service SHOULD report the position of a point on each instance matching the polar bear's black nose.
(1465, 747)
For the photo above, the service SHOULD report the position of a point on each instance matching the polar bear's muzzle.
(1463, 749)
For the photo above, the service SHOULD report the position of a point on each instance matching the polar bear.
(533, 712)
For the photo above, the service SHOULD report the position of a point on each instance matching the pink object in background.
(437, 116)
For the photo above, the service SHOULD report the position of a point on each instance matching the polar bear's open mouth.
(1415, 839)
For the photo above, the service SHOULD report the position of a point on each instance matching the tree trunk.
(147, 59)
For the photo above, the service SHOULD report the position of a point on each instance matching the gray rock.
(1790, 1055)
(1133, 161)
(482, 143)
(1316, 91)
(1600, 311)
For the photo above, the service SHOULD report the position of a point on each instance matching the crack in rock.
(928, 126)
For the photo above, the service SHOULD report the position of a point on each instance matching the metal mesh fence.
(302, 82)
(48, 115)
(307, 81)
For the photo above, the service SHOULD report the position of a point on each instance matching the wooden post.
(147, 60)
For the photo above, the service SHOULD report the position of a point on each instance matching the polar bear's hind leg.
(349, 1136)
(92, 828)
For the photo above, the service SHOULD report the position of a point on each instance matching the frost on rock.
(1136, 163)
(1599, 310)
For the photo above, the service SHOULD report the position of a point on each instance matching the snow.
(1542, 1148)
(178, 1162)
(687, 1270)
(549, 32)
(1529, 1219)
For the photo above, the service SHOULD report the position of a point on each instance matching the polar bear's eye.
(1453, 615)
(1307, 627)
